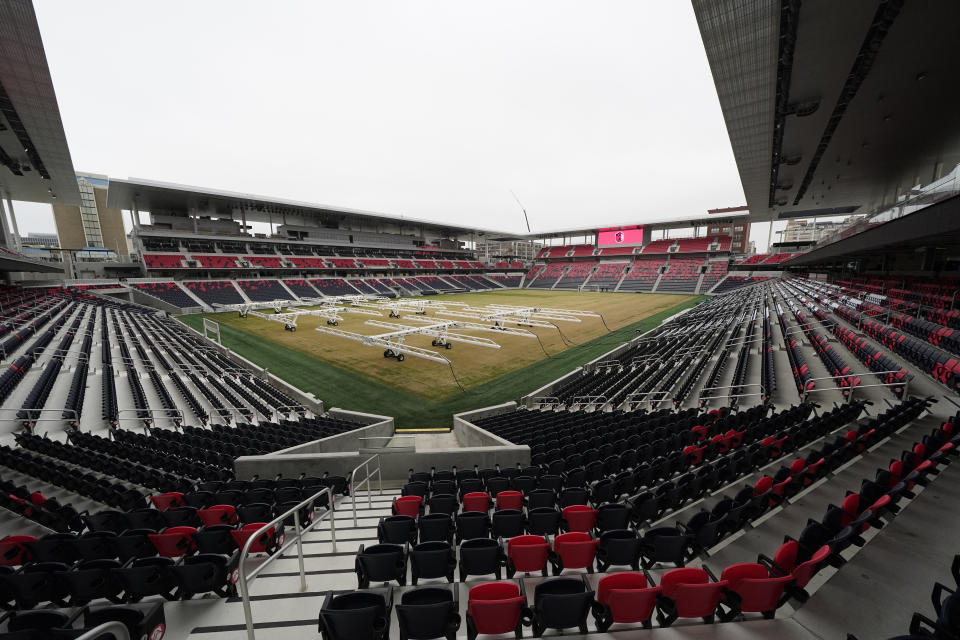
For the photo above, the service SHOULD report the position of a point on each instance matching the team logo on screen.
(618, 237)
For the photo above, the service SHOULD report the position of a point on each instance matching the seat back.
(434, 559)
(627, 596)
(804, 571)
(758, 591)
(174, 541)
(165, 501)
(436, 526)
(561, 603)
(528, 552)
(397, 530)
(479, 556)
(476, 501)
(495, 607)
(692, 592)
(359, 615)
(407, 506)
(428, 612)
(510, 500)
(218, 514)
(381, 563)
(579, 517)
(576, 549)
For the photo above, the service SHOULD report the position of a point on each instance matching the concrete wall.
(332, 455)
(394, 465)
(377, 426)
(470, 435)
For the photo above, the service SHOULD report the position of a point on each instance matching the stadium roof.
(835, 107)
(149, 195)
(674, 222)
(35, 164)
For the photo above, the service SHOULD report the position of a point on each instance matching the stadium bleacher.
(576, 275)
(215, 291)
(549, 276)
(607, 275)
(167, 291)
(300, 288)
(682, 274)
(333, 287)
(263, 290)
(642, 275)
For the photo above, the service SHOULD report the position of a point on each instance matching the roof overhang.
(10, 262)
(655, 223)
(834, 105)
(150, 195)
(35, 164)
(937, 225)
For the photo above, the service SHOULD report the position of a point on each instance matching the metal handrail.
(850, 390)
(589, 399)
(354, 485)
(117, 628)
(244, 579)
(16, 410)
(178, 414)
(542, 400)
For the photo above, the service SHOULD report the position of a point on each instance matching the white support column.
(13, 221)
(769, 235)
(135, 216)
(4, 225)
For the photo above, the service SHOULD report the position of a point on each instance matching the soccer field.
(298, 357)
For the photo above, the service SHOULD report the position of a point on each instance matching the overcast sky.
(592, 112)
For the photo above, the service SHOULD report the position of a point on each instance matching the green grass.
(338, 387)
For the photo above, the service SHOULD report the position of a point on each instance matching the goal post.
(211, 328)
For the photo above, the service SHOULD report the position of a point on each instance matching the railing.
(540, 401)
(36, 413)
(298, 538)
(164, 413)
(290, 408)
(850, 390)
(605, 364)
(354, 485)
(706, 398)
(589, 400)
(114, 627)
(631, 398)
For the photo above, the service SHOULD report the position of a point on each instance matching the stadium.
(227, 415)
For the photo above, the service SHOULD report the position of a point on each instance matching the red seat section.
(163, 261)
(682, 274)
(267, 262)
(167, 291)
(642, 275)
(307, 263)
(215, 291)
(216, 261)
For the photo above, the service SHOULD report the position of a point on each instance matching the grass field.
(421, 393)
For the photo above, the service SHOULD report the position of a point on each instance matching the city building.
(739, 232)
